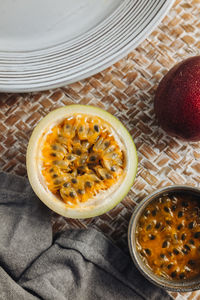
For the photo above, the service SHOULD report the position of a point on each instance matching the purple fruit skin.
(177, 100)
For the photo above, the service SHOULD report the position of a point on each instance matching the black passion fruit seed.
(173, 274)
(96, 128)
(191, 225)
(74, 180)
(169, 266)
(191, 263)
(185, 251)
(154, 213)
(180, 214)
(78, 152)
(182, 275)
(191, 242)
(166, 209)
(165, 244)
(148, 227)
(81, 192)
(66, 184)
(174, 207)
(187, 247)
(72, 194)
(157, 226)
(88, 184)
(54, 175)
(197, 235)
(152, 237)
(175, 251)
(183, 237)
(168, 222)
(148, 252)
(180, 226)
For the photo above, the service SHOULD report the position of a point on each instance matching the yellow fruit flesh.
(80, 158)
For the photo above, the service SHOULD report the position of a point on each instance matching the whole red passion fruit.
(177, 100)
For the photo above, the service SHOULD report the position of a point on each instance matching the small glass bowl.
(185, 285)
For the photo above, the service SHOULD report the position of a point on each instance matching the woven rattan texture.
(126, 90)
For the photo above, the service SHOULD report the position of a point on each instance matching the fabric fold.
(77, 264)
(25, 227)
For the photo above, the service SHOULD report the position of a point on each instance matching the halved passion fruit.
(81, 161)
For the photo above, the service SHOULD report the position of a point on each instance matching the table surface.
(126, 90)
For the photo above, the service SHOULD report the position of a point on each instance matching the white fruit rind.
(104, 201)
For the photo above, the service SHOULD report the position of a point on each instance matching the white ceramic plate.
(48, 43)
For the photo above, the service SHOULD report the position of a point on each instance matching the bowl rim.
(175, 286)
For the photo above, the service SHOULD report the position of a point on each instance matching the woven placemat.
(126, 90)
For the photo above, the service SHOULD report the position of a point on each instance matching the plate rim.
(61, 82)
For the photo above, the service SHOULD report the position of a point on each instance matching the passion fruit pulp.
(81, 161)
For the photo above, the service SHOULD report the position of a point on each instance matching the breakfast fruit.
(177, 100)
(81, 161)
(168, 236)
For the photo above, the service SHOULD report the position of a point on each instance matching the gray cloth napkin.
(76, 264)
